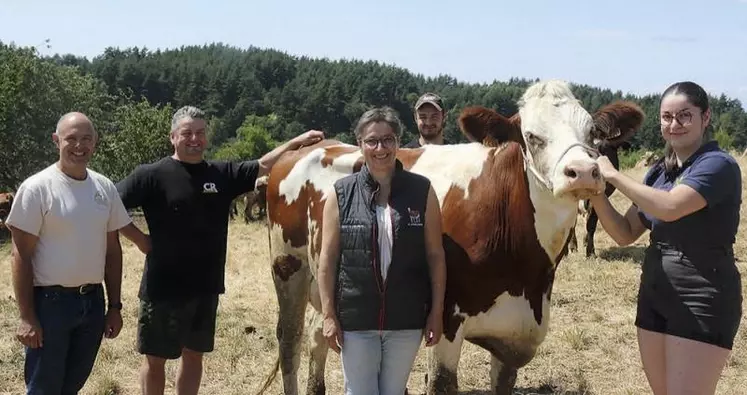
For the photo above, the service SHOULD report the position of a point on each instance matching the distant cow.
(6, 201)
(608, 147)
(508, 201)
(254, 202)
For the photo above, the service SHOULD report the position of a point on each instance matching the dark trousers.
(72, 328)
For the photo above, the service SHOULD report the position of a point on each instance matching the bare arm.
(268, 160)
(113, 280)
(435, 251)
(29, 331)
(667, 206)
(329, 254)
(328, 257)
(113, 268)
(623, 229)
(135, 235)
(437, 266)
(23, 248)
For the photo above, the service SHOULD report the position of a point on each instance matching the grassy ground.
(590, 349)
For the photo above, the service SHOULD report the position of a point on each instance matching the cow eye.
(535, 140)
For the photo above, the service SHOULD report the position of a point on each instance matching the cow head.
(556, 133)
(615, 124)
(6, 201)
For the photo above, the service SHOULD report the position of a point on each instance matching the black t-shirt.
(186, 208)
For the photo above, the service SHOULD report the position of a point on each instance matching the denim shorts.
(696, 294)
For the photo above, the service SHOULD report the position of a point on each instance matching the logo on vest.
(414, 217)
(209, 187)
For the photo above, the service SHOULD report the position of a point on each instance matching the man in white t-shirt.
(64, 223)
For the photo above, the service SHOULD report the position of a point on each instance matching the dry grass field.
(590, 349)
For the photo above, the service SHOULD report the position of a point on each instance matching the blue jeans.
(72, 327)
(378, 363)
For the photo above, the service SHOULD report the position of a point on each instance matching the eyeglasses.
(386, 142)
(683, 118)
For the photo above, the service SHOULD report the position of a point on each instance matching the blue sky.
(634, 46)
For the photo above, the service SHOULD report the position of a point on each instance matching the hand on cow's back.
(308, 138)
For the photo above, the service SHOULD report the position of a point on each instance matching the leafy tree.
(34, 94)
(252, 140)
(139, 134)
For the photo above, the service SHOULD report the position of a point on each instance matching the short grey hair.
(380, 114)
(186, 112)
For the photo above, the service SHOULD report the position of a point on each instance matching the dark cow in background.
(6, 201)
(508, 201)
(255, 203)
(610, 146)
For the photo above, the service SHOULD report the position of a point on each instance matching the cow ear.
(486, 126)
(617, 122)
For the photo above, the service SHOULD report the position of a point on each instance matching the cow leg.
(291, 278)
(573, 243)
(502, 377)
(443, 361)
(591, 228)
(318, 347)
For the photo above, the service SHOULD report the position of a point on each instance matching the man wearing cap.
(430, 116)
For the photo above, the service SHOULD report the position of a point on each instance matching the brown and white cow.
(618, 139)
(508, 202)
(6, 201)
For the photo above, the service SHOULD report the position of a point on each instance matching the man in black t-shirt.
(430, 116)
(186, 201)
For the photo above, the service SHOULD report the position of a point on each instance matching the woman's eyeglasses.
(683, 118)
(386, 142)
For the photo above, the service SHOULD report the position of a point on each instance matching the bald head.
(76, 139)
(74, 120)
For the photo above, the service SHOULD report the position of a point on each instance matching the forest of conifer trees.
(254, 97)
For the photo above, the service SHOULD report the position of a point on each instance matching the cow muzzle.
(581, 179)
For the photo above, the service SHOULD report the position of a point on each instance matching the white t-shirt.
(384, 218)
(71, 219)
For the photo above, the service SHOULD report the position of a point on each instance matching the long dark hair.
(698, 97)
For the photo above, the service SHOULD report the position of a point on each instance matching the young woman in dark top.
(381, 271)
(689, 299)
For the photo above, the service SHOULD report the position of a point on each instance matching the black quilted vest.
(363, 300)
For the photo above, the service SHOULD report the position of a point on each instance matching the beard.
(430, 133)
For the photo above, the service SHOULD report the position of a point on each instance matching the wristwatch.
(115, 306)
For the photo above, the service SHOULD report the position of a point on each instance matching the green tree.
(139, 134)
(34, 94)
(252, 140)
(725, 141)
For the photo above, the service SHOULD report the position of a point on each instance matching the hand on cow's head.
(557, 133)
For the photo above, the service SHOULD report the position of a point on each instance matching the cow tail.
(271, 376)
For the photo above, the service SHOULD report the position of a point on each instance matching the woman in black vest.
(381, 271)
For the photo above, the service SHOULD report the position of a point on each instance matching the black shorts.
(695, 295)
(165, 327)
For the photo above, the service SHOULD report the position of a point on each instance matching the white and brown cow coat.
(505, 229)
